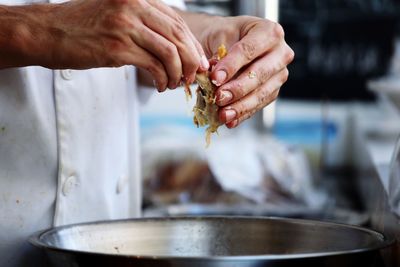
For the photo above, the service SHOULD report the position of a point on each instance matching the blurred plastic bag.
(236, 168)
(263, 169)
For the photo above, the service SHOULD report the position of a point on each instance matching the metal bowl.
(211, 241)
(327, 213)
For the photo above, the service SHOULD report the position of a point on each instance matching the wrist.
(209, 27)
(199, 23)
(27, 39)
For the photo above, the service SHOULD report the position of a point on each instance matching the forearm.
(25, 37)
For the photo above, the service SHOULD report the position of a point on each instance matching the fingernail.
(230, 115)
(220, 77)
(172, 86)
(232, 124)
(224, 98)
(204, 63)
(155, 83)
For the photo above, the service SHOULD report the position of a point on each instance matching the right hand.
(112, 33)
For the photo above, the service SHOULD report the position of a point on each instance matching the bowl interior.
(212, 237)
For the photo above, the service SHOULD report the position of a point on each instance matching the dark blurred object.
(183, 181)
(339, 45)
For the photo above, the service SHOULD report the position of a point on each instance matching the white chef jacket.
(68, 151)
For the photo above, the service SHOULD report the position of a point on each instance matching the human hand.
(111, 33)
(250, 76)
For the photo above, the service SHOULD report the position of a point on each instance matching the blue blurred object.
(305, 131)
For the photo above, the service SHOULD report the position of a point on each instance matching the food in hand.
(206, 110)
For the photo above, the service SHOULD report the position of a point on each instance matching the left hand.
(250, 76)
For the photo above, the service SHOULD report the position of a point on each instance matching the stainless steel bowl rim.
(36, 240)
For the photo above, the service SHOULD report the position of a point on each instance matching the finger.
(165, 51)
(148, 62)
(254, 76)
(257, 41)
(204, 64)
(259, 98)
(236, 122)
(177, 33)
(213, 61)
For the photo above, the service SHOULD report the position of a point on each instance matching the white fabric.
(68, 151)
(176, 3)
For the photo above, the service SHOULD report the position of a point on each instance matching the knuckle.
(289, 55)
(285, 76)
(278, 31)
(179, 31)
(263, 97)
(170, 51)
(248, 50)
(264, 75)
(238, 90)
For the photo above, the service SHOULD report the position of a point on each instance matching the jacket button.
(66, 74)
(69, 184)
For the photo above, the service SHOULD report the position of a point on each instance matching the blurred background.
(321, 151)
